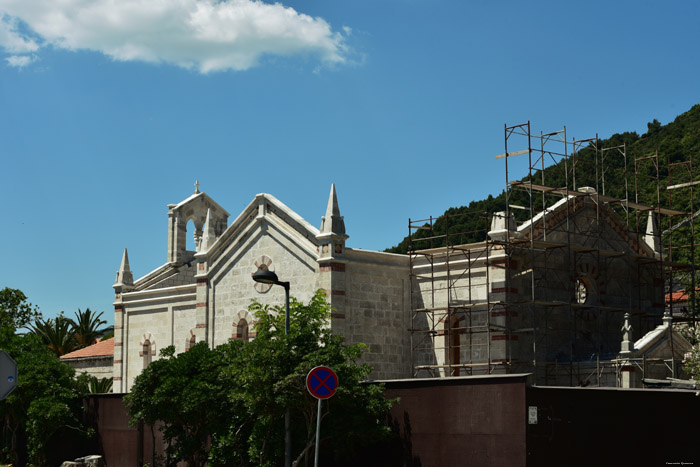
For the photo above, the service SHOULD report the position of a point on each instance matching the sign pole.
(321, 383)
(318, 433)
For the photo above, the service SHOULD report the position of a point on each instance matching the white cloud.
(11, 39)
(206, 35)
(20, 61)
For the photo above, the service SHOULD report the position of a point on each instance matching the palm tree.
(87, 327)
(58, 334)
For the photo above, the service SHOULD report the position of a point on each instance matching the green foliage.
(236, 395)
(675, 142)
(89, 384)
(45, 404)
(15, 311)
(58, 334)
(64, 335)
(87, 327)
(691, 362)
(186, 394)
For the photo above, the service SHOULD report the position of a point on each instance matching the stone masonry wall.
(234, 289)
(100, 367)
(377, 315)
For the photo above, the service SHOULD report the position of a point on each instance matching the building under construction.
(568, 281)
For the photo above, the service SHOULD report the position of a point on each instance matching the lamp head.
(265, 277)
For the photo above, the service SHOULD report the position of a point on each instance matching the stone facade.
(97, 367)
(541, 297)
(545, 297)
(204, 295)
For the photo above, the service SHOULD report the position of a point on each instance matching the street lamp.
(268, 277)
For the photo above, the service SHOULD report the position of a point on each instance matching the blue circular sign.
(322, 382)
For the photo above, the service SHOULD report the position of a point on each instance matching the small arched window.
(242, 331)
(146, 352)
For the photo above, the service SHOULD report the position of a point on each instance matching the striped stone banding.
(503, 337)
(334, 292)
(336, 267)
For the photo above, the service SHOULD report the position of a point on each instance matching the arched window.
(146, 353)
(191, 236)
(242, 331)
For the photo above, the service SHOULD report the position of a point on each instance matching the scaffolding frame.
(464, 301)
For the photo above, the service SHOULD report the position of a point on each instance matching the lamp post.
(269, 277)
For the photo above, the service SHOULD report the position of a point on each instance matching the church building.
(204, 295)
(572, 296)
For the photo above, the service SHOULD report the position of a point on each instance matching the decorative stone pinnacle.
(332, 222)
(196, 186)
(124, 275)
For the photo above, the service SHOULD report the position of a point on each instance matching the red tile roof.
(680, 296)
(103, 348)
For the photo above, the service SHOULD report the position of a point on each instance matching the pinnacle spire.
(651, 237)
(209, 233)
(333, 222)
(124, 275)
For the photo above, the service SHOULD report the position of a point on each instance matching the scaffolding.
(550, 295)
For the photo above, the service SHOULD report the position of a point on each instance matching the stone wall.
(99, 367)
(233, 289)
(377, 314)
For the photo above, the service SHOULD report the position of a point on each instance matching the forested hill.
(675, 142)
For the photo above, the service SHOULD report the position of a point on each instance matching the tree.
(87, 327)
(691, 362)
(15, 311)
(185, 393)
(90, 384)
(44, 406)
(236, 395)
(58, 334)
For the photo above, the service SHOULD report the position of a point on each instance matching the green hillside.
(675, 142)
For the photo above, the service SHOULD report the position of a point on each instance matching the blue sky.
(109, 111)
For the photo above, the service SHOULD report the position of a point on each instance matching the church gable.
(264, 208)
(589, 226)
(267, 235)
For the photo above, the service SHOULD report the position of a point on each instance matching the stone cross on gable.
(196, 186)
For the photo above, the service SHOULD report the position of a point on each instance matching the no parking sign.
(322, 382)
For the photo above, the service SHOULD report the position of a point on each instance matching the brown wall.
(589, 426)
(482, 421)
(467, 421)
(118, 441)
